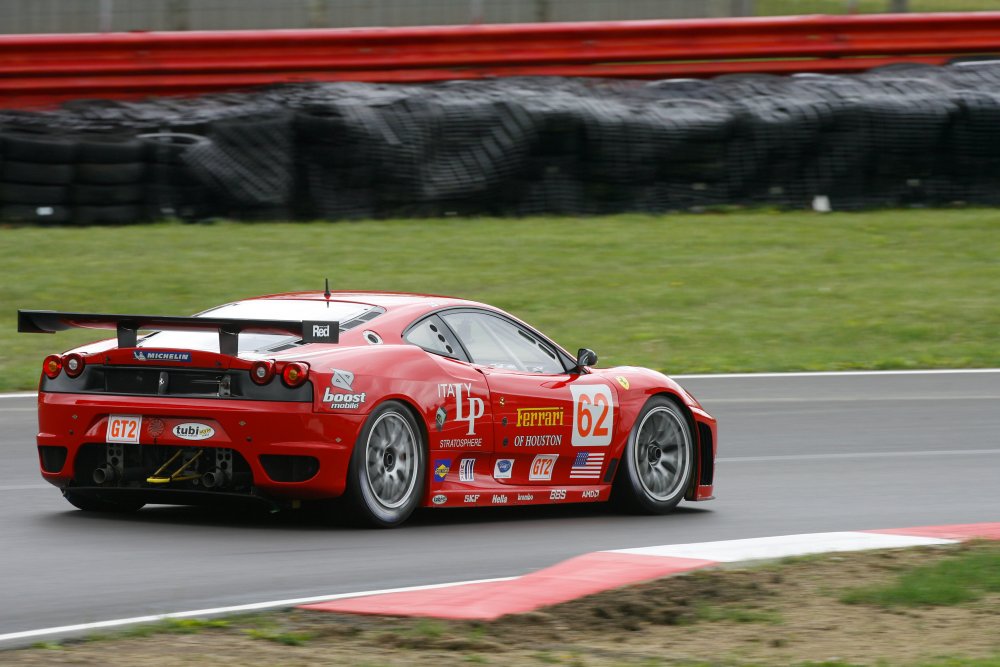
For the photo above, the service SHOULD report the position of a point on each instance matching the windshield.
(293, 310)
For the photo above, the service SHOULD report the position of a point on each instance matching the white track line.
(809, 374)
(784, 546)
(855, 455)
(791, 374)
(235, 609)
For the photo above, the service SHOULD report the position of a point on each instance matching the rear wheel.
(92, 503)
(388, 466)
(659, 459)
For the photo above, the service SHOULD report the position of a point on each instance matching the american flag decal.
(587, 465)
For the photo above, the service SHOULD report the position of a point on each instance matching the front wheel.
(386, 476)
(658, 461)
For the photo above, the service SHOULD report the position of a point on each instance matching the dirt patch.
(773, 614)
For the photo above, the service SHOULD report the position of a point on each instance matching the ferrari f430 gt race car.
(390, 401)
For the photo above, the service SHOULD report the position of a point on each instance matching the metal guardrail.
(37, 70)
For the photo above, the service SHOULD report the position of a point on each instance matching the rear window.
(348, 314)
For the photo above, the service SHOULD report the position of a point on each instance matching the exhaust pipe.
(105, 473)
(213, 478)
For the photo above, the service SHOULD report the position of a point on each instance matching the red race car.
(390, 401)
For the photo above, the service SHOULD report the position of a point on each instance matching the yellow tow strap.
(158, 478)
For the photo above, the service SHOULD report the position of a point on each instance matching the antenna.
(327, 292)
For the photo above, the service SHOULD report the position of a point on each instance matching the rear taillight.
(295, 374)
(73, 363)
(262, 372)
(51, 366)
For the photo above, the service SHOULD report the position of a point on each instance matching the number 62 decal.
(593, 415)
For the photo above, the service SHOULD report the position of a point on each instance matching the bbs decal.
(593, 415)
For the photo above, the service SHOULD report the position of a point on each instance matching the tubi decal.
(441, 468)
(467, 470)
(503, 468)
(439, 499)
(593, 415)
(542, 466)
(468, 408)
(193, 431)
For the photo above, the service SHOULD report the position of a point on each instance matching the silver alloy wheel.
(391, 460)
(662, 453)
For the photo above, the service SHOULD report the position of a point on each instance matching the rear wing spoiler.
(128, 326)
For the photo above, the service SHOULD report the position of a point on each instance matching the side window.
(495, 342)
(433, 337)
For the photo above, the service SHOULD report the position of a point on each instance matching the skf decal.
(468, 408)
(623, 381)
(593, 415)
(441, 468)
(472, 497)
(467, 470)
(531, 417)
(193, 431)
(503, 468)
(542, 466)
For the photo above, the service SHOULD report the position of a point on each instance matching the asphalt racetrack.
(798, 454)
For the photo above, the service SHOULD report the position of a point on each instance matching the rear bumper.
(78, 423)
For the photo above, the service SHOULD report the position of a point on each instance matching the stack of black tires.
(85, 179)
(896, 136)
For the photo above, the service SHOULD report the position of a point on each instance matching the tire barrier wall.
(38, 70)
(896, 136)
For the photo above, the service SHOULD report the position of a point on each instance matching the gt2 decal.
(593, 415)
(123, 428)
(468, 408)
(542, 466)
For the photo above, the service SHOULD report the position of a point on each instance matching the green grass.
(710, 613)
(746, 291)
(778, 7)
(956, 580)
(280, 637)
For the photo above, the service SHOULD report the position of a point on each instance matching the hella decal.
(193, 431)
(152, 355)
(439, 499)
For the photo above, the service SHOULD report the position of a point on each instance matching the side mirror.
(585, 357)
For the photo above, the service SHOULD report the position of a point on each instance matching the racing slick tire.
(659, 459)
(90, 503)
(388, 468)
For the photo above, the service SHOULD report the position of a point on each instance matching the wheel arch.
(696, 439)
